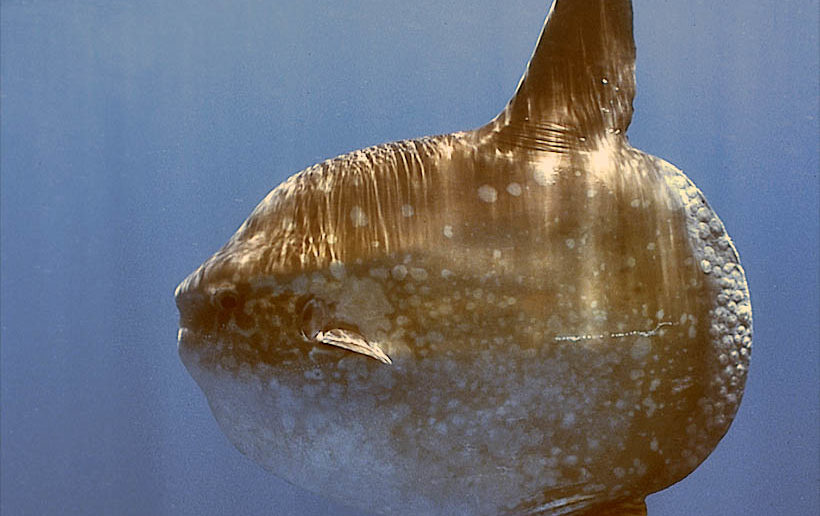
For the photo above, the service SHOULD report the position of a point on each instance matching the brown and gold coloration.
(532, 317)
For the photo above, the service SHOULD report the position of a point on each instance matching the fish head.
(297, 358)
(239, 310)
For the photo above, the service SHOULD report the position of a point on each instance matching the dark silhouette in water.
(532, 317)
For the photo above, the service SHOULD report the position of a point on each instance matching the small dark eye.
(227, 299)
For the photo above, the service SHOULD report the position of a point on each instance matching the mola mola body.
(531, 317)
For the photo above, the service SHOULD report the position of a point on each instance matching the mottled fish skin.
(532, 317)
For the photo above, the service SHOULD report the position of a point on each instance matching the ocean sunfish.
(531, 317)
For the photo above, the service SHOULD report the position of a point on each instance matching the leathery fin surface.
(528, 318)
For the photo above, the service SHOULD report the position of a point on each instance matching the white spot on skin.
(487, 194)
(641, 348)
(399, 272)
(337, 270)
(448, 231)
(407, 210)
(571, 460)
(542, 177)
(358, 217)
(446, 273)
(514, 189)
(418, 274)
(570, 243)
(379, 273)
(331, 239)
(650, 405)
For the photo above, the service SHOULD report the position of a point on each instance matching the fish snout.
(191, 303)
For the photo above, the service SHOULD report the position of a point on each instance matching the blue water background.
(136, 137)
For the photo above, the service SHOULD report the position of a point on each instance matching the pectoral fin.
(354, 342)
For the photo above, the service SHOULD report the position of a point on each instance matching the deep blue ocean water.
(136, 136)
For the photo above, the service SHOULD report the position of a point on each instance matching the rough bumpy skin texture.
(528, 318)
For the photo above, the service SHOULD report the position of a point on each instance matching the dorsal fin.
(580, 81)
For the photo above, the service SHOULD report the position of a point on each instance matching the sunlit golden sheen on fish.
(531, 317)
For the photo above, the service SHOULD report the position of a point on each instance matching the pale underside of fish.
(532, 317)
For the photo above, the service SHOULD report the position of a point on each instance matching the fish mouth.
(184, 337)
(191, 341)
(188, 303)
(187, 346)
(196, 352)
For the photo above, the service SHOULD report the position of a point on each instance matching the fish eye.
(226, 299)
